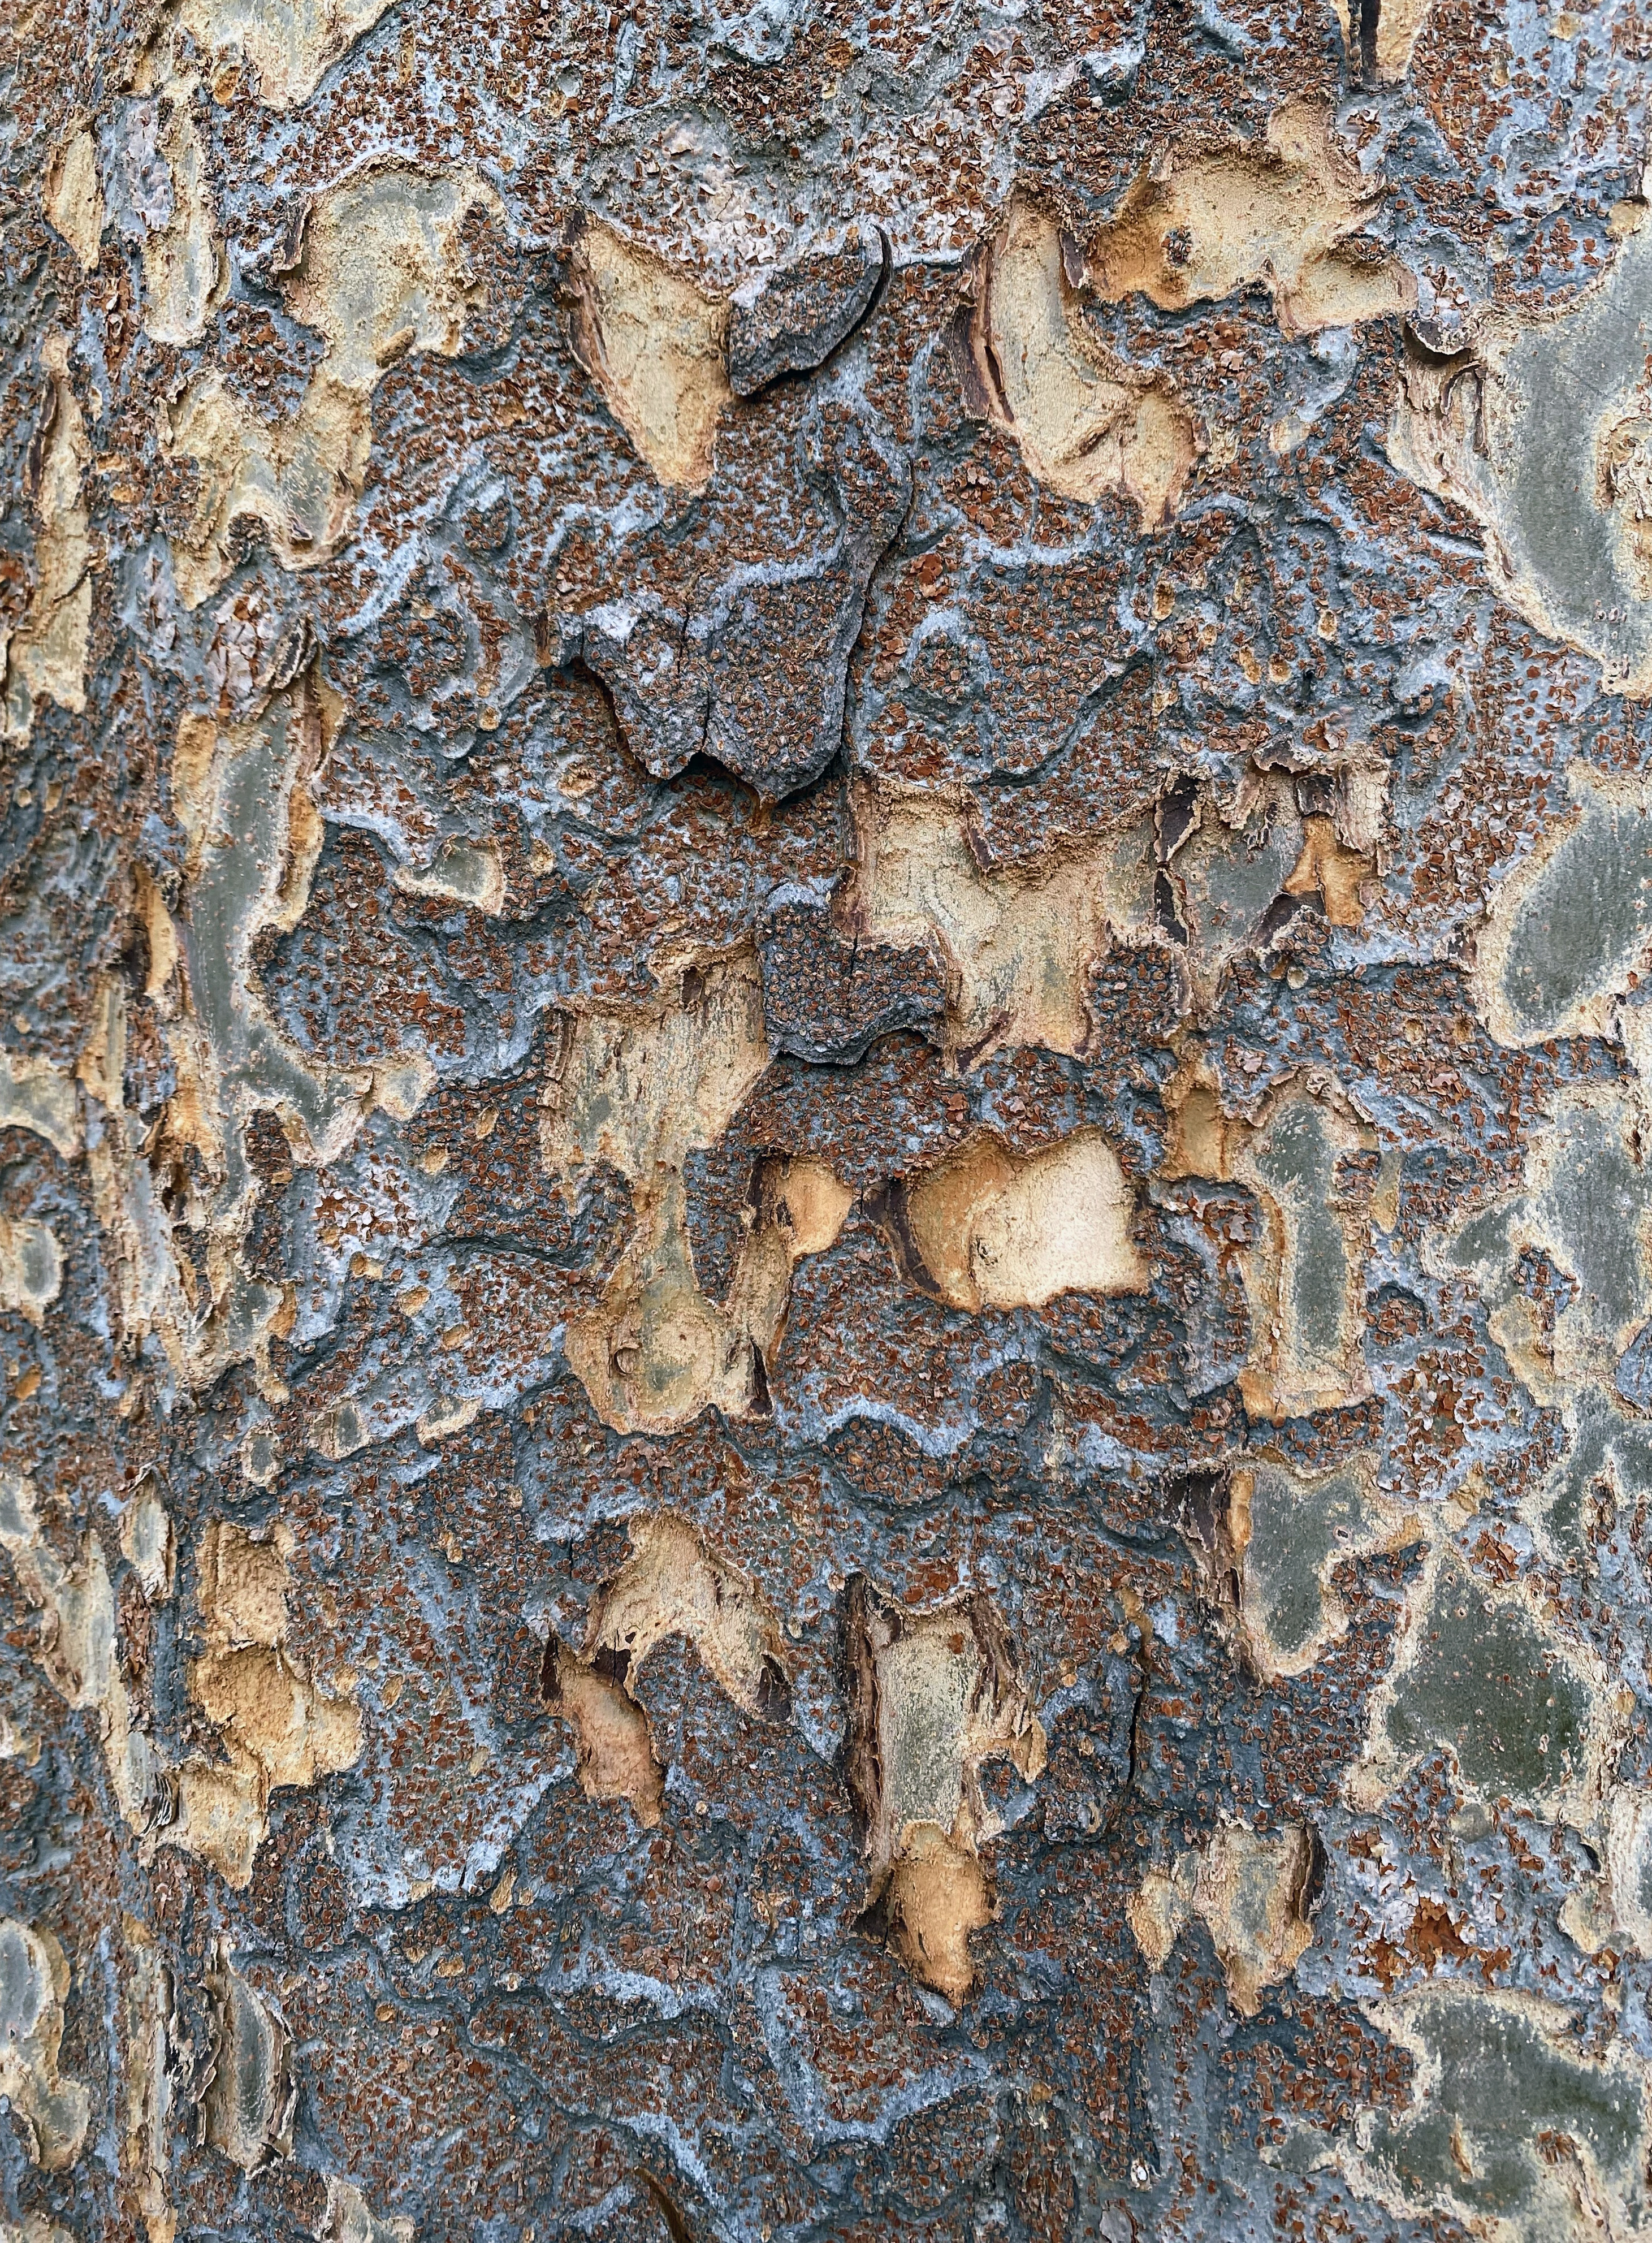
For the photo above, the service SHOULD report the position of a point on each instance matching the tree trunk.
(826, 1255)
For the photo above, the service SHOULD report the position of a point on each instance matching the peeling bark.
(826, 1240)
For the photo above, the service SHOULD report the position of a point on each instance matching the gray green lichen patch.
(1509, 2126)
(1304, 1268)
(1565, 932)
(1586, 1208)
(1291, 1530)
(1480, 1674)
(1543, 431)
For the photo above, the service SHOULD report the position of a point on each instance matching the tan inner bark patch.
(640, 1092)
(1284, 213)
(277, 1726)
(1336, 873)
(462, 872)
(380, 273)
(997, 1229)
(349, 2219)
(1088, 423)
(46, 659)
(31, 1267)
(34, 1977)
(72, 196)
(266, 1708)
(670, 1585)
(289, 44)
(38, 1096)
(152, 2034)
(1250, 1891)
(657, 346)
(1617, 1905)
(186, 273)
(614, 1749)
(933, 1696)
(1018, 944)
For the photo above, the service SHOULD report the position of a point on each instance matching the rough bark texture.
(825, 1244)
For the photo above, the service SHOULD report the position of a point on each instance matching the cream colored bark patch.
(996, 1229)
(75, 1644)
(670, 1585)
(658, 348)
(1305, 1271)
(46, 657)
(300, 477)
(146, 1541)
(1088, 423)
(35, 1094)
(381, 269)
(640, 1093)
(933, 1696)
(1251, 1891)
(289, 44)
(34, 1985)
(1399, 25)
(463, 872)
(250, 2093)
(1019, 945)
(1213, 873)
(1285, 213)
(1541, 430)
(152, 2038)
(244, 795)
(72, 198)
(77, 1651)
(31, 1267)
(349, 2218)
(273, 1721)
(185, 272)
(1157, 1913)
(379, 272)
(1617, 1906)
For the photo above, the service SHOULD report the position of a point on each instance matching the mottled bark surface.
(825, 1244)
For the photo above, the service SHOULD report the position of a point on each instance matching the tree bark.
(825, 1253)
